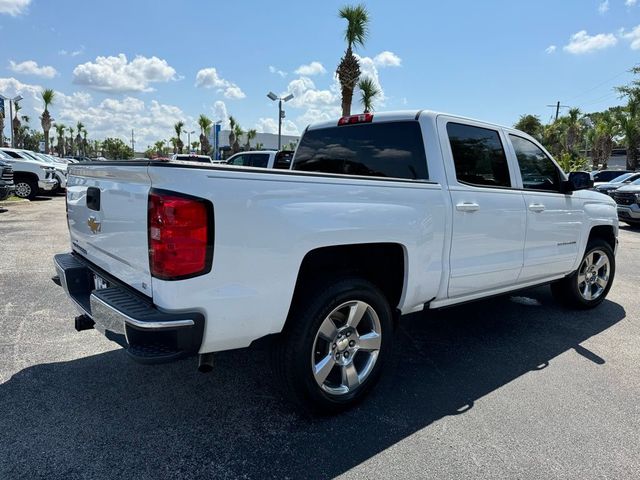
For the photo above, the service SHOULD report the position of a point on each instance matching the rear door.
(489, 220)
(554, 219)
(107, 215)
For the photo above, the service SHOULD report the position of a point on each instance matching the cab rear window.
(393, 149)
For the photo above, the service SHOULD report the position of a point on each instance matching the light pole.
(15, 99)
(189, 139)
(274, 97)
(216, 139)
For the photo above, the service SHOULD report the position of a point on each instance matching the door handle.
(467, 207)
(536, 207)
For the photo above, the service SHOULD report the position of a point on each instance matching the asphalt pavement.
(513, 387)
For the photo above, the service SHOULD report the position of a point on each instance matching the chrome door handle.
(536, 207)
(467, 207)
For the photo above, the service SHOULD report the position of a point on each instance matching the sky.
(145, 64)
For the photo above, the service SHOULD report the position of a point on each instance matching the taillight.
(352, 119)
(180, 235)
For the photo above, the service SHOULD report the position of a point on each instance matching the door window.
(478, 156)
(258, 160)
(537, 169)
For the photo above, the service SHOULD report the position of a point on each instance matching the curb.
(6, 203)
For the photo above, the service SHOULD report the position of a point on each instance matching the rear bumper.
(629, 213)
(149, 334)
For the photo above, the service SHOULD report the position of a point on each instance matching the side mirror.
(578, 181)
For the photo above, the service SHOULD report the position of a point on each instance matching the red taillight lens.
(362, 118)
(180, 235)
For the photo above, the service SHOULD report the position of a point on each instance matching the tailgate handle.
(93, 198)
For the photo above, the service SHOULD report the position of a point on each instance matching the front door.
(489, 219)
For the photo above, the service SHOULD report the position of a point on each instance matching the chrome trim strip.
(141, 324)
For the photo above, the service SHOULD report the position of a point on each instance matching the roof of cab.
(400, 115)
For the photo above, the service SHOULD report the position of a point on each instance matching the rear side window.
(283, 160)
(258, 160)
(478, 156)
(393, 149)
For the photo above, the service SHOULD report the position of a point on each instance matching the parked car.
(624, 179)
(7, 186)
(191, 157)
(603, 176)
(31, 177)
(627, 198)
(381, 215)
(262, 158)
(61, 169)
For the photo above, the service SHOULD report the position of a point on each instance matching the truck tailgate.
(107, 215)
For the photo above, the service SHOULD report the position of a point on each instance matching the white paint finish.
(266, 223)
(120, 247)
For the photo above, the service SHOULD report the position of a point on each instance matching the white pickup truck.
(381, 215)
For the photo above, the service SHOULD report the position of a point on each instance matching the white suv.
(31, 177)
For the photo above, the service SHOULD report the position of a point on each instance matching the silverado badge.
(93, 225)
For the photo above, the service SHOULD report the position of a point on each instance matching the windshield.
(621, 178)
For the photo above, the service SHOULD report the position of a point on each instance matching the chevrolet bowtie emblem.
(93, 225)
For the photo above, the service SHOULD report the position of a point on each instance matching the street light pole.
(281, 114)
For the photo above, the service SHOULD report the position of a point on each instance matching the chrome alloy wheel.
(23, 189)
(593, 275)
(346, 347)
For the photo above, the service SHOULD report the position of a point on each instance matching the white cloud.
(581, 42)
(209, 78)
(30, 67)
(603, 7)
(270, 125)
(634, 37)
(73, 53)
(273, 69)
(314, 68)
(13, 7)
(550, 49)
(630, 3)
(220, 113)
(117, 74)
(387, 59)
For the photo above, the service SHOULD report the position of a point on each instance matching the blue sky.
(146, 64)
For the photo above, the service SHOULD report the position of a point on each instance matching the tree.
(530, 124)
(232, 132)
(349, 68)
(70, 141)
(238, 132)
(178, 129)
(251, 134)
(80, 128)
(45, 120)
(605, 128)
(15, 121)
(60, 128)
(205, 124)
(174, 144)
(116, 149)
(369, 91)
(159, 147)
(1, 128)
(629, 118)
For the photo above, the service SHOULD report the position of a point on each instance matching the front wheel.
(333, 348)
(588, 286)
(26, 188)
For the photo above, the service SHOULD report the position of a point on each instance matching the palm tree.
(45, 120)
(16, 125)
(70, 140)
(232, 131)
(80, 128)
(349, 68)
(606, 128)
(369, 92)
(238, 132)
(251, 134)
(60, 128)
(85, 143)
(195, 145)
(205, 124)
(174, 144)
(178, 129)
(574, 128)
(159, 146)
(530, 124)
(1, 129)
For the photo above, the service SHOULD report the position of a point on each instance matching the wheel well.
(606, 233)
(380, 263)
(25, 176)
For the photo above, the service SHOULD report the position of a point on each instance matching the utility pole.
(133, 143)
(557, 106)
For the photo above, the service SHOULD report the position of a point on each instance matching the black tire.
(26, 188)
(568, 291)
(299, 342)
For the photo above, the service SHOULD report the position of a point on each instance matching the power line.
(599, 85)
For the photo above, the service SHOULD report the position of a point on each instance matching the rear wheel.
(588, 286)
(332, 351)
(26, 188)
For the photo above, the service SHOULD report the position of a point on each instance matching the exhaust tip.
(205, 362)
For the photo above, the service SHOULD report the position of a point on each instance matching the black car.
(7, 186)
(607, 175)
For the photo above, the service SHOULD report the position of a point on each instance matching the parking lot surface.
(513, 387)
